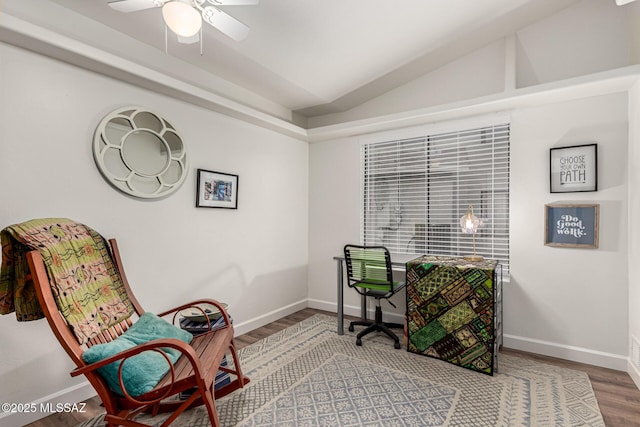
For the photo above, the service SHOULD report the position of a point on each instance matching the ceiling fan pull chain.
(201, 41)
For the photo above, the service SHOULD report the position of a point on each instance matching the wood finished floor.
(617, 395)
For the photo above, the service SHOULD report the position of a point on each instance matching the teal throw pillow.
(143, 371)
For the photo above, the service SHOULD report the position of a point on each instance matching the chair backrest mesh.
(368, 264)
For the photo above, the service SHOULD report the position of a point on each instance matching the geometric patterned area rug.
(307, 375)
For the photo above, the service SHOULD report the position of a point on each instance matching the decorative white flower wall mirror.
(140, 153)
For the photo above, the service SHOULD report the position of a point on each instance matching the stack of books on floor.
(222, 378)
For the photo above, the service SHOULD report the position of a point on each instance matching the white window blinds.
(416, 190)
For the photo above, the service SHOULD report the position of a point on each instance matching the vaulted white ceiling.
(320, 56)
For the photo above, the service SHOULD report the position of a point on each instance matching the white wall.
(563, 302)
(569, 303)
(334, 218)
(634, 233)
(587, 37)
(255, 258)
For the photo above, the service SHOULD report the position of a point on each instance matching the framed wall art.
(571, 225)
(216, 190)
(574, 169)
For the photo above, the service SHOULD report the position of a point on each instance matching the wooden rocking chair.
(194, 371)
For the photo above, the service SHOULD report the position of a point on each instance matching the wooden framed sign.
(574, 169)
(571, 225)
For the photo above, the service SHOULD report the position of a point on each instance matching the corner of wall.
(633, 365)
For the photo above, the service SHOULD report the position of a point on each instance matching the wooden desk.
(454, 311)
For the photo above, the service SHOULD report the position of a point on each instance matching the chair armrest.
(399, 285)
(179, 345)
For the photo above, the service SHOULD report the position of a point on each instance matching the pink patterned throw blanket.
(85, 283)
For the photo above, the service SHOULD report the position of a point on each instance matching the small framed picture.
(571, 225)
(216, 190)
(574, 169)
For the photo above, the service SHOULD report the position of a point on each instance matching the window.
(415, 190)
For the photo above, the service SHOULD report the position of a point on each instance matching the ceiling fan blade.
(134, 5)
(233, 2)
(225, 23)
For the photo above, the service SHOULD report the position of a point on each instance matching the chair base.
(376, 325)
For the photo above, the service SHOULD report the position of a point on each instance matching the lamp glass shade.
(181, 18)
(469, 223)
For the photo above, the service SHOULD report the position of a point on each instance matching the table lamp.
(469, 224)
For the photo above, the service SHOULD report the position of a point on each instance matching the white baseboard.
(634, 373)
(256, 322)
(575, 354)
(323, 305)
(352, 310)
(561, 351)
(59, 401)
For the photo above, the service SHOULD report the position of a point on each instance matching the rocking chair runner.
(195, 369)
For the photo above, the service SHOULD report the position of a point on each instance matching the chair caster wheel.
(396, 345)
(359, 342)
(350, 328)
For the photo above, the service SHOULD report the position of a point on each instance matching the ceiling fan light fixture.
(182, 18)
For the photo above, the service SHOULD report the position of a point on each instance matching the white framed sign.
(574, 169)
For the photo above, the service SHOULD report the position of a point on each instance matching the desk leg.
(340, 299)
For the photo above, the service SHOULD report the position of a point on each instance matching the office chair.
(369, 273)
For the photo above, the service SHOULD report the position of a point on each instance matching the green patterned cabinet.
(454, 311)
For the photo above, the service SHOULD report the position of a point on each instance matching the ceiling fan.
(184, 17)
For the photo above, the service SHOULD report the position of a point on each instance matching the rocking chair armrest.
(216, 303)
(175, 343)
